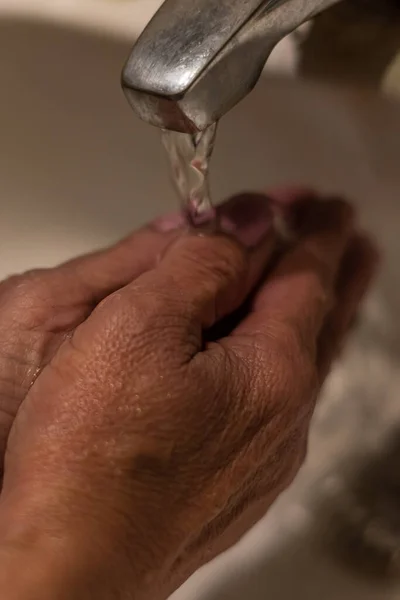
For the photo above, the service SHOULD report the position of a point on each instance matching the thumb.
(208, 276)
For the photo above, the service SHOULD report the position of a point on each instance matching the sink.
(78, 171)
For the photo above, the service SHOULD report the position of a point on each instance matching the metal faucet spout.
(198, 58)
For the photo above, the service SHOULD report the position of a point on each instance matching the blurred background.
(78, 170)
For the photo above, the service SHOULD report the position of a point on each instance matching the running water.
(189, 156)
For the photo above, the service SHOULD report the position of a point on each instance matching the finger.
(38, 309)
(288, 196)
(206, 277)
(91, 277)
(109, 269)
(284, 199)
(298, 292)
(358, 269)
(288, 204)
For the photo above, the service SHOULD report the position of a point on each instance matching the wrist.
(43, 558)
(37, 562)
(29, 572)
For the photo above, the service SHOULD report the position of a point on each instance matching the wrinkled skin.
(158, 415)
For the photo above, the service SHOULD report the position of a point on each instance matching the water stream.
(189, 156)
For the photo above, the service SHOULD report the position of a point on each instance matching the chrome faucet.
(198, 58)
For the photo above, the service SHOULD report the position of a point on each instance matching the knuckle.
(284, 338)
(283, 368)
(324, 300)
(321, 296)
(318, 285)
(28, 291)
(292, 342)
(144, 315)
(7, 284)
(130, 307)
(218, 258)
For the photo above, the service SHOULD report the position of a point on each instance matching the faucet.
(198, 58)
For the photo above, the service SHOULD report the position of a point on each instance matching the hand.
(41, 309)
(166, 419)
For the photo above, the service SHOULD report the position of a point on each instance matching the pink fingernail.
(247, 217)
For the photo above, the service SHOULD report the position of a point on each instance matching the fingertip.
(248, 217)
(215, 271)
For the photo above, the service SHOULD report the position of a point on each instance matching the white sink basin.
(78, 170)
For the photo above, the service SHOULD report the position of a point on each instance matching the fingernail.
(170, 222)
(248, 217)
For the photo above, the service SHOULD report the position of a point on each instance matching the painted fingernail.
(248, 217)
(170, 222)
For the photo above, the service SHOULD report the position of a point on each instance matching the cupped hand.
(167, 386)
(39, 310)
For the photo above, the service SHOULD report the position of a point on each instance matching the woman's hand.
(41, 309)
(167, 418)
